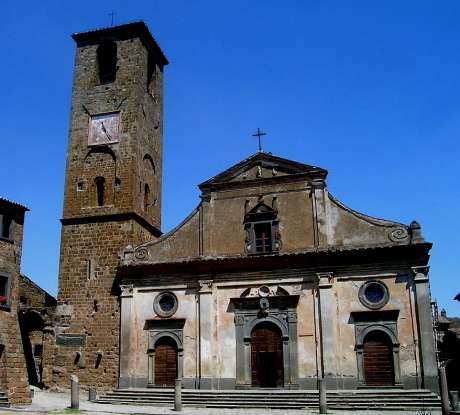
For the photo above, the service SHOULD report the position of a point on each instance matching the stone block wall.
(95, 229)
(13, 370)
(36, 313)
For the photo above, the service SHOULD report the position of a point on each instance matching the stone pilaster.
(326, 324)
(205, 310)
(425, 329)
(126, 300)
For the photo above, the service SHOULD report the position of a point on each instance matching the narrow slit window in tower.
(146, 196)
(100, 184)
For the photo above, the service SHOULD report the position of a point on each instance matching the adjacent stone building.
(26, 315)
(448, 338)
(36, 313)
(13, 370)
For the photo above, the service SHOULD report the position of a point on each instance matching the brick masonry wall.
(88, 302)
(36, 312)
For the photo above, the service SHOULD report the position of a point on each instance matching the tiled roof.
(25, 208)
(442, 319)
(139, 26)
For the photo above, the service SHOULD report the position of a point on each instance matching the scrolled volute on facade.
(141, 254)
(398, 234)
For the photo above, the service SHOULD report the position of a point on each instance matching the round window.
(374, 294)
(165, 304)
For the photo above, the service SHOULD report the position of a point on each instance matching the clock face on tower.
(103, 129)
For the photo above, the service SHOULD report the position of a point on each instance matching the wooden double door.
(266, 356)
(165, 362)
(378, 360)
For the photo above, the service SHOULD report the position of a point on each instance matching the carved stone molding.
(421, 273)
(239, 320)
(127, 290)
(141, 254)
(128, 254)
(398, 234)
(205, 286)
(325, 279)
(292, 317)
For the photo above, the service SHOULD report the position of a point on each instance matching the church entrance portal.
(378, 359)
(266, 356)
(165, 362)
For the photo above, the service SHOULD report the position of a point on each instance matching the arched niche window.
(100, 187)
(146, 196)
(107, 61)
(149, 165)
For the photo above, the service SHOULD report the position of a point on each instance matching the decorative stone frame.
(260, 215)
(165, 328)
(157, 307)
(366, 322)
(369, 304)
(283, 314)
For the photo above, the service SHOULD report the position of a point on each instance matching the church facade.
(272, 282)
(269, 283)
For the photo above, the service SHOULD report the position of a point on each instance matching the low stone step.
(278, 399)
(4, 403)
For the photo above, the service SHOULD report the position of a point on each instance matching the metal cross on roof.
(111, 14)
(259, 134)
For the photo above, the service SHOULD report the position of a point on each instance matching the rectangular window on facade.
(6, 229)
(5, 284)
(263, 237)
(38, 348)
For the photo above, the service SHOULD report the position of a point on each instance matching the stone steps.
(384, 399)
(4, 403)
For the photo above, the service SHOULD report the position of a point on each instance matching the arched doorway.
(31, 324)
(165, 361)
(378, 359)
(266, 356)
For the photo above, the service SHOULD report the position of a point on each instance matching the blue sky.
(369, 90)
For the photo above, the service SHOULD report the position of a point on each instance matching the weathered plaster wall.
(340, 225)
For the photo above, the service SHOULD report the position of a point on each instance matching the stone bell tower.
(112, 192)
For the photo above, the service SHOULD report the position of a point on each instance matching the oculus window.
(165, 304)
(374, 294)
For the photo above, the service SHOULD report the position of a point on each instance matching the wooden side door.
(165, 362)
(378, 360)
